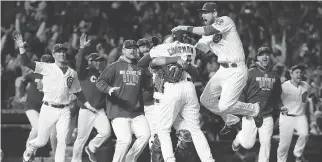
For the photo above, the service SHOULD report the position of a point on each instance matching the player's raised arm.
(25, 58)
(81, 61)
(144, 61)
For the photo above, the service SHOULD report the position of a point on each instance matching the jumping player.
(123, 81)
(220, 36)
(177, 105)
(294, 96)
(87, 119)
(60, 85)
(263, 86)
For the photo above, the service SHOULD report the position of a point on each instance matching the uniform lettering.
(265, 83)
(178, 50)
(130, 77)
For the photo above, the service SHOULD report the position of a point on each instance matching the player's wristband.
(22, 50)
(190, 29)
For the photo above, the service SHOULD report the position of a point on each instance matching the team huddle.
(149, 91)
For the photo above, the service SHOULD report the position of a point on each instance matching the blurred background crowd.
(293, 30)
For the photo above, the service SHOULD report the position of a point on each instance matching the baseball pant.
(33, 117)
(123, 129)
(228, 84)
(151, 115)
(247, 136)
(180, 107)
(48, 116)
(86, 121)
(287, 125)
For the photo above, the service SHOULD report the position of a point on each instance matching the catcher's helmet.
(180, 36)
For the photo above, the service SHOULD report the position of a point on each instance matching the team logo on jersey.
(265, 83)
(304, 97)
(216, 38)
(93, 79)
(219, 21)
(70, 81)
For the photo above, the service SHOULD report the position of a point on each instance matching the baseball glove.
(171, 73)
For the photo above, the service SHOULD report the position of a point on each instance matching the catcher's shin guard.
(156, 154)
(185, 150)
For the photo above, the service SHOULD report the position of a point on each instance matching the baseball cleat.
(235, 145)
(27, 156)
(91, 155)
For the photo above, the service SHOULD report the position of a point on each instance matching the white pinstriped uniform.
(179, 106)
(293, 99)
(58, 88)
(227, 83)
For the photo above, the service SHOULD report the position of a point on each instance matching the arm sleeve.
(75, 88)
(105, 80)
(223, 24)
(160, 50)
(144, 61)
(42, 68)
(81, 63)
(27, 62)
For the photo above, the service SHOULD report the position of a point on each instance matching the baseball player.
(60, 86)
(294, 96)
(87, 119)
(34, 100)
(177, 104)
(123, 81)
(263, 86)
(219, 35)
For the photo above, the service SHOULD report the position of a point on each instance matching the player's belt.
(228, 65)
(56, 105)
(289, 115)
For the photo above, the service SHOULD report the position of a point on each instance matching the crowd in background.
(291, 29)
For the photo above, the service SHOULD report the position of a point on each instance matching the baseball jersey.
(174, 49)
(58, 88)
(294, 98)
(226, 44)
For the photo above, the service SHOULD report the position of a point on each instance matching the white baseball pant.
(247, 136)
(123, 129)
(228, 84)
(48, 116)
(151, 116)
(287, 125)
(86, 121)
(180, 107)
(33, 117)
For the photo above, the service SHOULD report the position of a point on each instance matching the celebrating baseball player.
(263, 86)
(176, 103)
(34, 101)
(60, 85)
(88, 119)
(123, 81)
(219, 35)
(294, 96)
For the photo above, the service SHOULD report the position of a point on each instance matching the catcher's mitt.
(171, 73)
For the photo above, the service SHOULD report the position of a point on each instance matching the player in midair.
(87, 119)
(219, 35)
(177, 103)
(263, 86)
(60, 86)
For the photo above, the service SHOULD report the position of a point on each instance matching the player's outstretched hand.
(284, 111)
(83, 41)
(179, 28)
(19, 41)
(113, 89)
